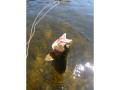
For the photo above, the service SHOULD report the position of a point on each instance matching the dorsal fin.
(50, 56)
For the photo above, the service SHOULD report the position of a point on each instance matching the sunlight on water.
(88, 65)
(78, 14)
(81, 69)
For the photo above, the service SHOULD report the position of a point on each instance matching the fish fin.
(63, 36)
(50, 56)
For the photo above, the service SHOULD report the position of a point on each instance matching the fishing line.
(32, 33)
(43, 17)
(36, 19)
(34, 24)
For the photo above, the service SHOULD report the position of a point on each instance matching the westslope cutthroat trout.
(61, 49)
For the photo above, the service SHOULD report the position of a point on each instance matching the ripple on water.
(79, 72)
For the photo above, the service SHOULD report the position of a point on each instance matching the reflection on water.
(74, 18)
(80, 70)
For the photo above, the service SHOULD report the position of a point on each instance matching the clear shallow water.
(76, 19)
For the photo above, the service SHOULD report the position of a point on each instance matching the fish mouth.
(60, 47)
(69, 44)
(60, 43)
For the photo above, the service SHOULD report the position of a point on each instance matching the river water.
(76, 19)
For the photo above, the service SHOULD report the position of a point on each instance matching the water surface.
(74, 18)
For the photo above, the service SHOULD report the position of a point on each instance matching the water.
(74, 18)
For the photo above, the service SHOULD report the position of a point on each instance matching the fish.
(59, 55)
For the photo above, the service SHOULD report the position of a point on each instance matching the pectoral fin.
(50, 56)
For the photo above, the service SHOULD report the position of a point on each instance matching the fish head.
(59, 45)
